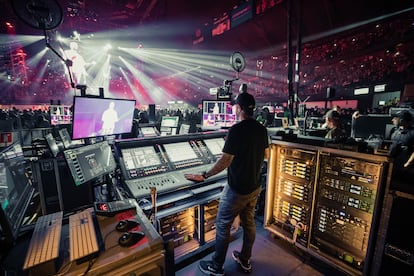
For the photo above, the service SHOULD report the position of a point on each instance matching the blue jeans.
(232, 204)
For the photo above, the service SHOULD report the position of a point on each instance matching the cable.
(107, 235)
(91, 262)
(68, 265)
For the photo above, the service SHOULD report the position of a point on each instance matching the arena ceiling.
(269, 29)
(170, 30)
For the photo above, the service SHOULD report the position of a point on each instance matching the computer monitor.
(217, 114)
(372, 125)
(181, 154)
(60, 115)
(141, 161)
(90, 162)
(169, 125)
(94, 117)
(388, 131)
(215, 145)
(149, 131)
(184, 129)
(16, 192)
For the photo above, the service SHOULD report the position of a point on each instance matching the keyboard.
(82, 236)
(45, 241)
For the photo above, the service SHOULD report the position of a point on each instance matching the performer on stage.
(78, 68)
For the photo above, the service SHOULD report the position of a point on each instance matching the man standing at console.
(245, 148)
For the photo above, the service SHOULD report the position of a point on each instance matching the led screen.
(93, 117)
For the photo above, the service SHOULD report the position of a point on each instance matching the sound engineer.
(243, 153)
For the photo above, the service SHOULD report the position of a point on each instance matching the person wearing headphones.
(402, 137)
(402, 151)
(245, 148)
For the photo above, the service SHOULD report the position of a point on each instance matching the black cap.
(246, 102)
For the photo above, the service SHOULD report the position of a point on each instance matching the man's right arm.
(410, 161)
(221, 164)
(267, 153)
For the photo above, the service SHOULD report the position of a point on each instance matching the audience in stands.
(380, 52)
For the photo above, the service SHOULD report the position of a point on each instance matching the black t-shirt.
(247, 141)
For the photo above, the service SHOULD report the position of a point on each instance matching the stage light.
(76, 35)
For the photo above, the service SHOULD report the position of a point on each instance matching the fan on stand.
(44, 15)
(237, 62)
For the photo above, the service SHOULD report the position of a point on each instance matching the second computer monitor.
(373, 125)
(169, 125)
(90, 162)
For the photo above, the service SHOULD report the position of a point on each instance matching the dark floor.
(271, 256)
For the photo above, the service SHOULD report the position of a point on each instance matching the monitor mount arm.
(44, 15)
(68, 62)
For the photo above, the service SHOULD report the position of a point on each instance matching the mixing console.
(168, 182)
(162, 162)
(186, 210)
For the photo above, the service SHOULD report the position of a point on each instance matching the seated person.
(333, 123)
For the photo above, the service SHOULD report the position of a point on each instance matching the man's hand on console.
(194, 177)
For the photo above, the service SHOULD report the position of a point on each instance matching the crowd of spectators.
(376, 53)
(14, 119)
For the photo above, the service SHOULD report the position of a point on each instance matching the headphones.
(405, 117)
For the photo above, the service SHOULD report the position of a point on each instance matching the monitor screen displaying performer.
(94, 117)
(60, 115)
(217, 114)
